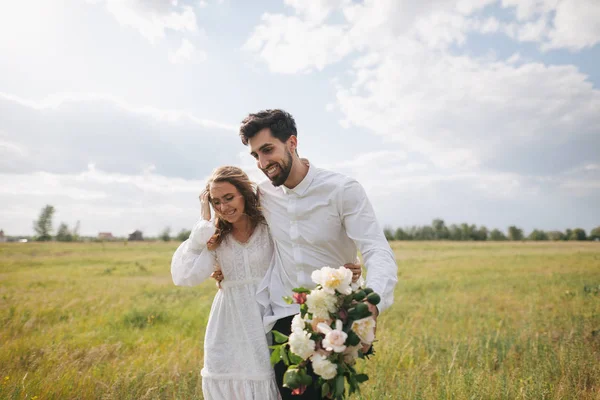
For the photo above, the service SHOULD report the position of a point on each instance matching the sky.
(116, 111)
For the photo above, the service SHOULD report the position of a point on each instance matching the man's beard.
(285, 168)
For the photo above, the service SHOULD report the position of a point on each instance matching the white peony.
(298, 323)
(332, 279)
(323, 367)
(365, 329)
(334, 338)
(320, 303)
(301, 344)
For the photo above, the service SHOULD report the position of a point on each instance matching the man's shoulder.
(329, 177)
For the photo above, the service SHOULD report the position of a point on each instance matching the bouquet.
(334, 328)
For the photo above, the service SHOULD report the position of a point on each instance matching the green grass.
(470, 321)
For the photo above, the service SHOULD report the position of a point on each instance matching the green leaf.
(279, 337)
(360, 378)
(303, 309)
(294, 359)
(288, 299)
(353, 339)
(291, 378)
(276, 355)
(301, 290)
(284, 355)
(339, 386)
(325, 389)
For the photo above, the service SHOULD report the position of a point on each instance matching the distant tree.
(515, 233)
(595, 233)
(538, 235)
(184, 235)
(165, 236)
(468, 232)
(454, 232)
(389, 233)
(440, 229)
(568, 234)
(497, 235)
(556, 235)
(481, 233)
(76, 232)
(43, 225)
(578, 234)
(63, 234)
(411, 233)
(400, 234)
(423, 233)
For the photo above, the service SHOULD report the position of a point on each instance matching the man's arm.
(362, 227)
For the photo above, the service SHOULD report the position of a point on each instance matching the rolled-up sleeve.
(193, 262)
(362, 227)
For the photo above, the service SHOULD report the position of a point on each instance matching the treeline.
(182, 236)
(438, 230)
(43, 227)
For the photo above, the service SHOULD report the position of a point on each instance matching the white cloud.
(292, 45)
(152, 18)
(185, 53)
(462, 112)
(576, 25)
(305, 41)
(315, 11)
(66, 132)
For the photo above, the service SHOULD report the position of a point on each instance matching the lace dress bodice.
(242, 262)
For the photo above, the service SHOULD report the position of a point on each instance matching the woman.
(236, 354)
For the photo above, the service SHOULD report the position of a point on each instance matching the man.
(317, 218)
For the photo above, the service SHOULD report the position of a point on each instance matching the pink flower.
(334, 338)
(299, 298)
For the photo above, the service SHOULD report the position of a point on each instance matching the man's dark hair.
(281, 123)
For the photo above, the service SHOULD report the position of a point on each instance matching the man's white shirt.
(321, 222)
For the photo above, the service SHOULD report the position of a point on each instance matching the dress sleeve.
(193, 262)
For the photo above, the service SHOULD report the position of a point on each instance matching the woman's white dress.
(236, 354)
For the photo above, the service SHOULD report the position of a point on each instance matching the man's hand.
(375, 313)
(217, 275)
(205, 206)
(356, 271)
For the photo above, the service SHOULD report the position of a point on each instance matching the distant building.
(2, 237)
(105, 236)
(136, 235)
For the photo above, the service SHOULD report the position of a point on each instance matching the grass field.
(470, 321)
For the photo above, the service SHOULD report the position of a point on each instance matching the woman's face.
(227, 201)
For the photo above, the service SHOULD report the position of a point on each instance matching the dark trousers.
(285, 326)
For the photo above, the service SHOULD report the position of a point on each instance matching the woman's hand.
(356, 270)
(205, 206)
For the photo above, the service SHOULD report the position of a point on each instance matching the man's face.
(273, 157)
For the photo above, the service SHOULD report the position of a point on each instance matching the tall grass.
(470, 321)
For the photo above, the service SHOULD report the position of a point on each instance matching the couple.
(268, 242)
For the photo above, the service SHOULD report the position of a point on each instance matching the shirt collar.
(302, 187)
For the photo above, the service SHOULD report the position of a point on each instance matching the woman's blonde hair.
(247, 189)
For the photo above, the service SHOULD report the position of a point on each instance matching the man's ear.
(292, 143)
